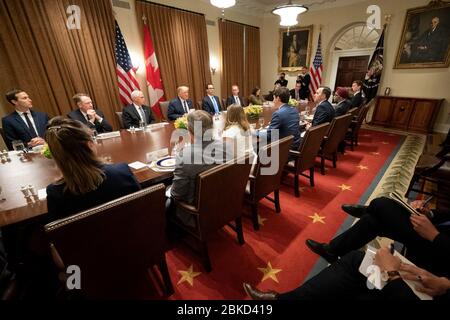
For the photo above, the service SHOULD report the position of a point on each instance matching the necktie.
(141, 111)
(87, 118)
(30, 125)
(237, 101)
(186, 108)
(216, 108)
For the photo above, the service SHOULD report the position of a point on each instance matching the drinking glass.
(1, 198)
(261, 122)
(132, 129)
(141, 125)
(18, 145)
(307, 109)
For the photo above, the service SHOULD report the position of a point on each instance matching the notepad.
(42, 194)
(108, 135)
(137, 165)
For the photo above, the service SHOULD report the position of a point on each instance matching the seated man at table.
(194, 159)
(235, 98)
(286, 119)
(295, 93)
(88, 115)
(136, 112)
(23, 124)
(324, 110)
(210, 102)
(358, 95)
(343, 103)
(181, 105)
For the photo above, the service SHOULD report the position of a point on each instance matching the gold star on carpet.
(269, 272)
(361, 167)
(317, 218)
(375, 153)
(188, 275)
(385, 142)
(261, 220)
(345, 187)
(302, 189)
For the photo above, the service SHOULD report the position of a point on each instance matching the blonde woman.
(237, 130)
(86, 182)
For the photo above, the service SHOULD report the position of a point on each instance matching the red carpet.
(281, 240)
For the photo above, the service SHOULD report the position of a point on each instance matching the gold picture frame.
(294, 50)
(425, 41)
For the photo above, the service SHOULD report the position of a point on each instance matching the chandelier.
(223, 4)
(288, 13)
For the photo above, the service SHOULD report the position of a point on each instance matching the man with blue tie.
(136, 112)
(181, 105)
(23, 124)
(211, 103)
(86, 114)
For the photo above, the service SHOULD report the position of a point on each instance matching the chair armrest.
(294, 153)
(186, 207)
(251, 177)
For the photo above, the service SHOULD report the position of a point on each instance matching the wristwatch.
(387, 276)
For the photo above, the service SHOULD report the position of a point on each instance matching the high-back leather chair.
(199, 105)
(115, 245)
(245, 101)
(261, 184)
(119, 118)
(354, 111)
(305, 156)
(335, 135)
(211, 211)
(224, 104)
(353, 131)
(164, 107)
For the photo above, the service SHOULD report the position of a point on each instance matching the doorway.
(350, 69)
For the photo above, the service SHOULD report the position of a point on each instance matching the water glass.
(307, 109)
(141, 125)
(132, 129)
(18, 145)
(261, 122)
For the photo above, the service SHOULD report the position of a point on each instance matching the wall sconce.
(213, 70)
(214, 64)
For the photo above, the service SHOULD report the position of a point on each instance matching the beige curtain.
(181, 46)
(231, 39)
(252, 60)
(52, 63)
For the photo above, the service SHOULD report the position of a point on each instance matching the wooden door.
(383, 111)
(402, 111)
(422, 115)
(350, 69)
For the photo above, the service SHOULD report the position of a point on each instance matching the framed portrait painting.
(425, 41)
(294, 50)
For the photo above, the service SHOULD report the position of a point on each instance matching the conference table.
(127, 147)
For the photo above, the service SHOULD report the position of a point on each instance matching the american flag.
(124, 69)
(316, 69)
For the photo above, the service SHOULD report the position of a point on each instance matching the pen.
(426, 201)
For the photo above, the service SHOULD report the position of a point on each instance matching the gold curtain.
(51, 62)
(252, 60)
(231, 39)
(181, 46)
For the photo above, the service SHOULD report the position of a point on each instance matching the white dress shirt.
(22, 116)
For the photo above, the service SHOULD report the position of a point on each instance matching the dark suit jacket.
(357, 100)
(176, 110)
(324, 113)
(282, 83)
(102, 127)
(16, 129)
(208, 106)
(342, 107)
(119, 181)
(130, 116)
(286, 120)
(304, 90)
(292, 92)
(230, 101)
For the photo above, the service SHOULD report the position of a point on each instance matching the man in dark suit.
(295, 93)
(137, 112)
(358, 96)
(181, 105)
(86, 114)
(285, 120)
(281, 80)
(23, 124)
(343, 103)
(324, 110)
(235, 98)
(210, 102)
(305, 80)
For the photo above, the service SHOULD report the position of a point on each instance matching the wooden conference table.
(128, 147)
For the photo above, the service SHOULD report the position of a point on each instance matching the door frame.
(345, 53)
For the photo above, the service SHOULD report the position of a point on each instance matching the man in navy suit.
(286, 119)
(211, 103)
(137, 112)
(23, 124)
(181, 105)
(86, 114)
(235, 98)
(324, 111)
(358, 96)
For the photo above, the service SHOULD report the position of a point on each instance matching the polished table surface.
(40, 172)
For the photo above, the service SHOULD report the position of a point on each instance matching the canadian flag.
(154, 82)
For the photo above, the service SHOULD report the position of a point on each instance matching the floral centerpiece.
(293, 102)
(181, 122)
(253, 111)
(46, 152)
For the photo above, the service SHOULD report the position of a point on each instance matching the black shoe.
(322, 250)
(260, 295)
(355, 210)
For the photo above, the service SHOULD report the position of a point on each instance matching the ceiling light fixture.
(288, 13)
(223, 4)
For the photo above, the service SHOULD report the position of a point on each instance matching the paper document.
(137, 165)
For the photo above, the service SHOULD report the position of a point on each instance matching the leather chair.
(199, 106)
(336, 134)
(2, 133)
(354, 112)
(245, 101)
(164, 107)
(211, 211)
(119, 118)
(305, 156)
(114, 245)
(260, 185)
(224, 104)
(353, 131)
